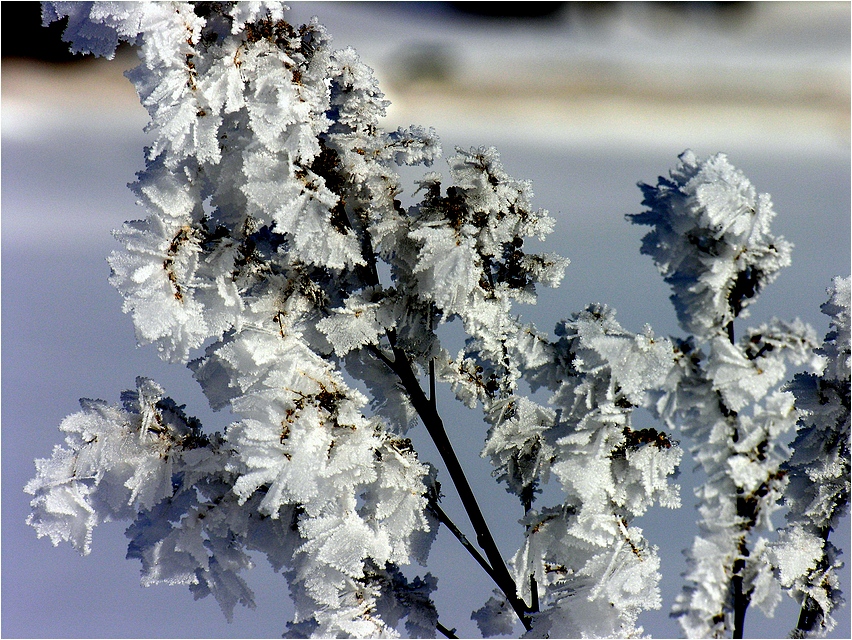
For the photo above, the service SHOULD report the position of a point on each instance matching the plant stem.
(433, 397)
(449, 633)
(534, 605)
(444, 519)
(741, 600)
(435, 427)
(809, 617)
(527, 499)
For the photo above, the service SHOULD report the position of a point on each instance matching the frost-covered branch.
(435, 426)
(711, 242)
(818, 474)
(278, 262)
(445, 520)
(593, 571)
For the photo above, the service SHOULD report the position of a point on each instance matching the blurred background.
(584, 99)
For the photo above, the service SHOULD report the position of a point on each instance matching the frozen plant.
(278, 262)
(711, 241)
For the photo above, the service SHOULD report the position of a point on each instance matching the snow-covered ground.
(583, 105)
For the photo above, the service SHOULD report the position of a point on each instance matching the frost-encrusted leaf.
(117, 462)
(62, 510)
(517, 445)
(94, 28)
(303, 440)
(449, 267)
(201, 539)
(745, 372)
(495, 618)
(601, 446)
(413, 145)
(475, 235)
(742, 455)
(401, 598)
(711, 241)
(801, 554)
(760, 580)
(157, 290)
(836, 348)
(355, 325)
(593, 589)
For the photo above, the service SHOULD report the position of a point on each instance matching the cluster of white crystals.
(818, 472)
(712, 243)
(589, 569)
(266, 182)
(277, 262)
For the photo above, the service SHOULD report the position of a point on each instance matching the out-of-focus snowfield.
(584, 104)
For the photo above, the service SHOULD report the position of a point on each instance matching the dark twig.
(435, 427)
(432, 394)
(741, 598)
(534, 605)
(444, 519)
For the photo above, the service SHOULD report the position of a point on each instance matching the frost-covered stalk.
(275, 237)
(818, 473)
(278, 263)
(711, 242)
(269, 199)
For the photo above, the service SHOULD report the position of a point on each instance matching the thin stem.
(527, 499)
(432, 394)
(449, 633)
(435, 427)
(741, 600)
(444, 519)
(809, 617)
(741, 597)
(376, 351)
(428, 412)
(534, 605)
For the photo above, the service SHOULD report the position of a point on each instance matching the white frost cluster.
(269, 190)
(146, 460)
(711, 241)
(592, 571)
(819, 476)
(470, 264)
